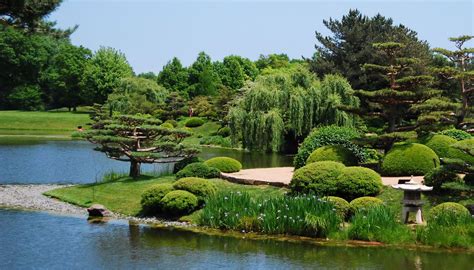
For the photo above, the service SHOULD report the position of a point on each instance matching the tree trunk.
(134, 169)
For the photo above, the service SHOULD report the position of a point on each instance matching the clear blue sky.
(152, 32)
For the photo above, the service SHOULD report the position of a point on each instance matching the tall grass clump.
(113, 176)
(302, 215)
(378, 223)
(448, 229)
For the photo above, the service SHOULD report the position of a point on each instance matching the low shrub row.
(194, 122)
(180, 198)
(329, 178)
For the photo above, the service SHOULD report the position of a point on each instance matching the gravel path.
(31, 197)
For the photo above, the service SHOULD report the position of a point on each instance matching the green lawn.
(41, 123)
(123, 196)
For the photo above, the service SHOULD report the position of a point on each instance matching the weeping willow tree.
(281, 107)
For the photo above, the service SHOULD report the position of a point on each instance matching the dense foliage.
(305, 215)
(179, 202)
(151, 198)
(456, 134)
(440, 175)
(441, 144)
(198, 169)
(202, 188)
(342, 206)
(349, 46)
(447, 207)
(333, 153)
(317, 178)
(363, 204)
(356, 182)
(194, 122)
(409, 159)
(224, 164)
(178, 166)
(329, 135)
(281, 107)
(378, 223)
(137, 139)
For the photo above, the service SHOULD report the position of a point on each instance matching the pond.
(41, 240)
(68, 161)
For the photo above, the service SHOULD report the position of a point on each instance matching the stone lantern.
(412, 198)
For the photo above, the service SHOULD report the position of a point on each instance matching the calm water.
(36, 161)
(39, 240)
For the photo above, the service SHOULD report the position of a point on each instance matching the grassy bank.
(123, 195)
(41, 123)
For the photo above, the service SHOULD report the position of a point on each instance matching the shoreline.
(30, 197)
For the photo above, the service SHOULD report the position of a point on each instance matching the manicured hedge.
(364, 203)
(151, 198)
(200, 187)
(318, 178)
(342, 206)
(441, 144)
(409, 159)
(356, 182)
(224, 164)
(167, 125)
(336, 153)
(449, 208)
(178, 166)
(198, 170)
(329, 135)
(224, 132)
(194, 122)
(179, 202)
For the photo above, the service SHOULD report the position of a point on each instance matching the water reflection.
(39, 240)
(33, 161)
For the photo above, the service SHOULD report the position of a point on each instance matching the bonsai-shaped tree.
(462, 71)
(138, 139)
(405, 99)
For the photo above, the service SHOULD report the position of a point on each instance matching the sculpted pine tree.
(138, 140)
(407, 102)
(463, 72)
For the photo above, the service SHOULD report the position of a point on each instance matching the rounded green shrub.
(317, 178)
(336, 153)
(441, 144)
(447, 208)
(224, 132)
(178, 166)
(198, 169)
(356, 182)
(329, 135)
(224, 164)
(194, 122)
(174, 123)
(200, 187)
(469, 179)
(342, 206)
(151, 198)
(440, 175)
(364, 203)
(456, 134)
(179, 202)
(409, 159)
(167, 125)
